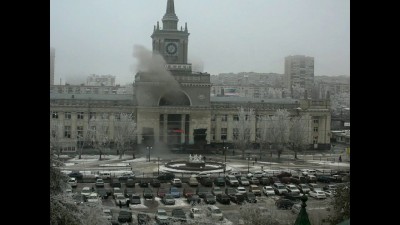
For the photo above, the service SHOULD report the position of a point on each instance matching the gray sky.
(97, 36)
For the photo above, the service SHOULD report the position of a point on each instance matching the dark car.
(168, 199)
(143, 183)
(148, 193)
(237, 198)
(128, 192)
(161, 192)
(250, 197)
(79, 198)
(143, 219)
(205, 181)
(323, 179)
(178, 215)
(188, 192)
(134, 199)
(201, 191)
(114, 182)
(219, 181)
(254, 180)
(284, 203)
(294, 196)
(155, 183)
(166, 176)
(194, 199)
(124, 216)
(76, 174)
(230, 191)
(209, 199)
(102, 193)
(130, 182)
(223, 199)
(265, 181)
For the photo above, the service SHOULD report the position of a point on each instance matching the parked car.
(166, 176)
(174, 191)
(128, 192)
(193, 181)
(176, 182)
(284, 203)
(73, 182)
(79, 198)
(143, 183)
(223, 199)
(201, 191)
(148, 193)
(125, 176)
(168, 199)
(134, 199)
(243, 181)
(206, 181)
(76, 174)
(323, 178)
(303, 188)
(102, 193)
(86, 191)
(196, 213)
(314, 187)
(203, 175)
(329, 193)
(161, 216)
(259, 174)
(292, 188)
(209, 199)
(155, 183)
(237, 198)
(161, 192)
(294, 196)
(130, 182)
(254, 180)
(235, 174)
(311, 178)
(124, 216)
(279, 188)
(117, 191)
(216, 191)
(232, 181)
(107, 214)
(114, 182)
(188, 192)
(318, 194)
(99, 182)
(268, 190)
(330, 187)
(214, 212)
(219, 181)
(230, 191)
(194, 199)
(264, 181)
(296, 208)
(93, 198)
(143, 219)
(250, 197)
(255, 189)
(103, 175)
(120, 198)
(178, 214)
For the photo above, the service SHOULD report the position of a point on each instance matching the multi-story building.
(173, 105)
(86, 89)
(100, 80)
(299, 72)
(52, 56)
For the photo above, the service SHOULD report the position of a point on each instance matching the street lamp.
(149, 148)
(225, 149)
(248, 162)
(158, 166)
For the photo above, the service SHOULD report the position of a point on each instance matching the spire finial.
(170, 7)
(186, 27)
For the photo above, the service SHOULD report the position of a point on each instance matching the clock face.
(171, 48)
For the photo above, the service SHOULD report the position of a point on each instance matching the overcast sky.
(97, 36)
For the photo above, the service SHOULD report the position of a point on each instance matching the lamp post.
(149, 148)
(158, 166)
(225, 149)
(248, 162)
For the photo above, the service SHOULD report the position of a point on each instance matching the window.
(67, 115)
(80, 115)
(315, 129)
(235, 118)
(92, 115)
(104, 115)
(212, 117)
(54, 115)
(258, 133)
(258, 118)
(315, 141)
(224, 132)
(224, 117)
(67, 131)
(235, 133)
(79, 130)
(316, 121)
(117, 116)
(212, 133)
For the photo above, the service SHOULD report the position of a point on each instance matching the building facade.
(100, 80)
(174, 106)
(299, 72)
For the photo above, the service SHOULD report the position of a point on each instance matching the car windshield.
(269, 188)
(162, 213)
(85, 190)
(216, 211)
(135, 197)
(250, 195)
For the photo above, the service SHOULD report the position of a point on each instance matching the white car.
(99, 182)
(292, 188)
(329, 193)
(196, 213)
(93, 197)
(268, 190)
(86, 191)
(161, 216)
(259, 174)
(120, 198)
(203, 174)
(214, 212)
(73, 182)
(304, 188)
(241, 190)
(176, 182)
(107, 214)
(318, 194)
(117, 191)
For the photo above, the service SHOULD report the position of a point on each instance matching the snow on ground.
(69, 164)
(342, 164)
(179, 202)
(143, 159)
(116, 164)
(166, 169)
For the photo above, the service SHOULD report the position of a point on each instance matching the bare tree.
(340, 205)
(298, 136)
(124, 132)
(56, 128)
(242, 128)
(252, 214)
(98, 134)
(279, 130)
(263, 136)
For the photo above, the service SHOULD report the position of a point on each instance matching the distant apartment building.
(52, 56)
(100, 80)
(299, 72)
(86, 89)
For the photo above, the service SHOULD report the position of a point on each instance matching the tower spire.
(170, 20)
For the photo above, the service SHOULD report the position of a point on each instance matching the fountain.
(195, 163)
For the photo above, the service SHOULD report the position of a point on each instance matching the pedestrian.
(340, 158)
(120, 204)
(127, 203)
